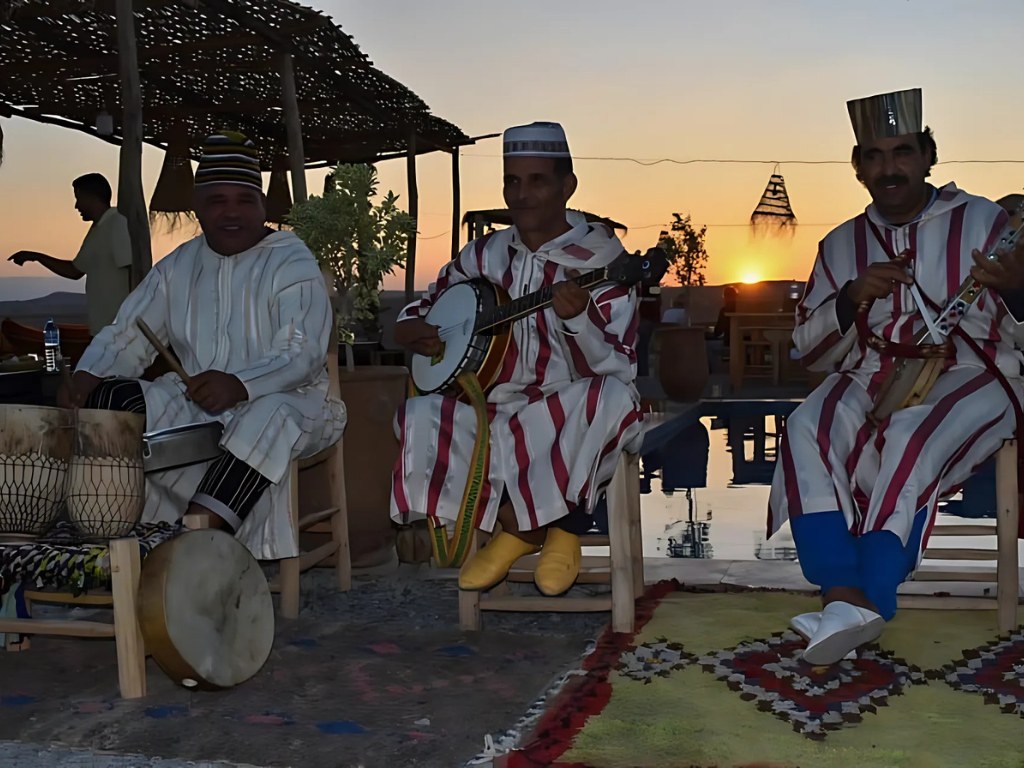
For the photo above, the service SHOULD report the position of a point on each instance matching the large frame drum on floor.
(205, 610)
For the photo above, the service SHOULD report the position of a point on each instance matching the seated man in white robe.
(860, 487)
(563, 404)
(247, 312)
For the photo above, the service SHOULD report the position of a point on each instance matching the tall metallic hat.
(886, 115)
(536, 140)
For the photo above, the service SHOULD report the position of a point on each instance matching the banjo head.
(454, 313)
(206, 612)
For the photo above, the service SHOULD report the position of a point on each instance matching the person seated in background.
(105, 257)
(246, 310)
(677, 314)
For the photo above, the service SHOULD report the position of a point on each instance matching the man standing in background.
(105, 256)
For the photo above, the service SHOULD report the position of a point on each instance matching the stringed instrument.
(474, 320)
(912, 378)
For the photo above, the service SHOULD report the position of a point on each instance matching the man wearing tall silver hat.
(564, 404)
(861, 493)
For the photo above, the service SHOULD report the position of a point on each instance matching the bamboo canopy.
(210, 64)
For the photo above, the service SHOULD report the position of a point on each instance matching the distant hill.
(63, 307)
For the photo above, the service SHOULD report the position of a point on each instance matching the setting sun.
(750, 277)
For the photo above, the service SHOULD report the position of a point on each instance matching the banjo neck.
(534, 302)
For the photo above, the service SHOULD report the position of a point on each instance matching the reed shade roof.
(209, 65)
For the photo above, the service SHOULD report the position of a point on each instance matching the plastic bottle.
(51, 346)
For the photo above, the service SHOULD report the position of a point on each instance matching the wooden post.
(131, 201)
(414, 211)
(456, 203)
(293, 127)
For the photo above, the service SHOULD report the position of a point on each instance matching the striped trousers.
(230, 488)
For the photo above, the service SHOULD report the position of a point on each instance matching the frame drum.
(205, 610)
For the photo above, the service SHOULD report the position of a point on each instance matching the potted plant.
(358, 242)
(359, 238)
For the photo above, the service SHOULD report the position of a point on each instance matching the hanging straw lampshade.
(279, 196)
(774, 214)
(171, 204)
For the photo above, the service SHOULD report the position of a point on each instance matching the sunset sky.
(649, 80)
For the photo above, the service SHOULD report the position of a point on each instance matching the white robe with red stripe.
(564, 405)
(832, 458)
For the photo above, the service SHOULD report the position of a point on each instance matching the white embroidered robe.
(263, 315)
(832, 457)
(563, 408)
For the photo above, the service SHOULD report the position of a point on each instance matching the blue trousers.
(875, 563)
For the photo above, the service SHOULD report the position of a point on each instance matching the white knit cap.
(536, 140)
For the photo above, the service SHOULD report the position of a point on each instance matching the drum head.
(208, 618)
(454, 313)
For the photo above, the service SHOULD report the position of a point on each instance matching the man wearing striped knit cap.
(247, 312)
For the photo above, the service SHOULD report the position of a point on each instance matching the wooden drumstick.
(165, 353)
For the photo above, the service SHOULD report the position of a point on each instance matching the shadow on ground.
(381, 676)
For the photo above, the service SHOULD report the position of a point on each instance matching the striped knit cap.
(229, 158)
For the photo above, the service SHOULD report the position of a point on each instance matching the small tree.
(684, 247)
(357, 240)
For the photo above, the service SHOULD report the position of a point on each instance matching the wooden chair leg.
(339, 521)
(636, 541)
(1008, 512)
(125, 573)
(290, 566)
(619, 537)
(469, 600)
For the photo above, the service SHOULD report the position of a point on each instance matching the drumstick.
(165, 353)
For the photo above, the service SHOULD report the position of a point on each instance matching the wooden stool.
(331, 519)
(125, 572)
(1006, 575)
(623, 567)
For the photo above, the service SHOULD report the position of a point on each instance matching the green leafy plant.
(358, 240)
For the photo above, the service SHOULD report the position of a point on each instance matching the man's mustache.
(885, 181)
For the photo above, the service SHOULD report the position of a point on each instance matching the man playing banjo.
(562, 405)
(247, 312)
(860, 487)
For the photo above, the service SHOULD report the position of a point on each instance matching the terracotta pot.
(682, 362)
(372, 394)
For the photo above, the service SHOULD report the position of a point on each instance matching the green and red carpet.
(716, 679)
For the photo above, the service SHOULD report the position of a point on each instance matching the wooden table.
(756, 333)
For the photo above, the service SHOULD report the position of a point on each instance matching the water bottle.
(51, 346)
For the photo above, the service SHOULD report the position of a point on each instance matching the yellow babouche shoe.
(491, 564)
(559, 562)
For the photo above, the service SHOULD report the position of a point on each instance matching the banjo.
(474, 320)
(912, 378)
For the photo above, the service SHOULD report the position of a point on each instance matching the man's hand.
(216, 391)
(1005, 275)
(418, 336)
(23, 256)
(568, 299)
(877, 282)
(75, 391)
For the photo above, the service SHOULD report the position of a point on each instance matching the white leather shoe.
(843, 628)
(806, 624)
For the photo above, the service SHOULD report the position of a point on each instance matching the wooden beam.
(131, 201)
(293, 127)
(414, 211)
(456, 204)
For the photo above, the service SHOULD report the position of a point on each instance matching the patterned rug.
(716, 679)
